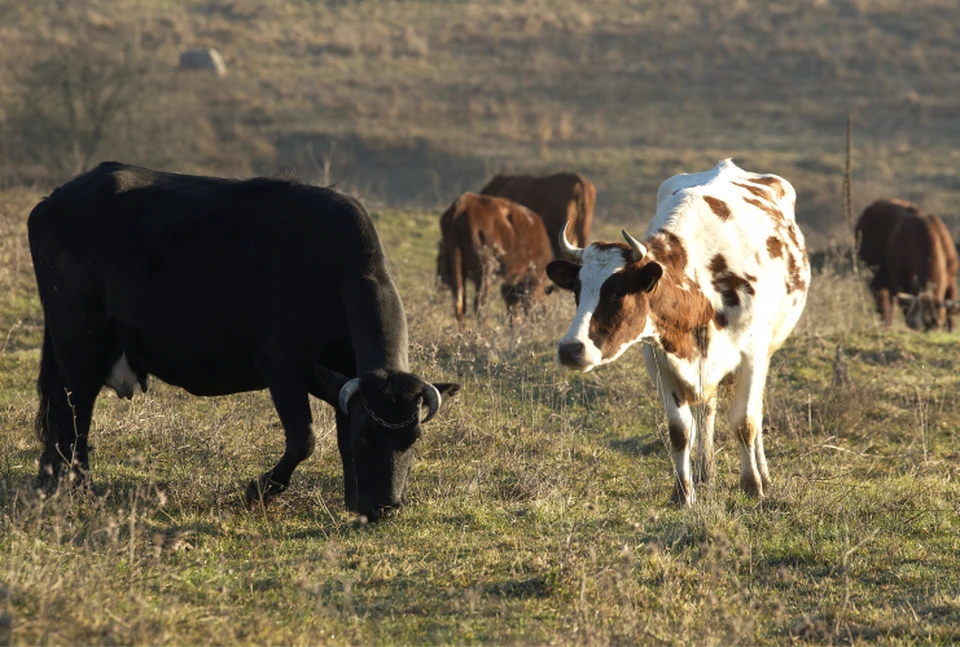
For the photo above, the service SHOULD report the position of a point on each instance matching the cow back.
(559, 199)
(733, 234)
(874, 227)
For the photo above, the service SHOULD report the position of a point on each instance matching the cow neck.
(681, 314)
(377, 323)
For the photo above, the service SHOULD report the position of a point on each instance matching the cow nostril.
(571, 352)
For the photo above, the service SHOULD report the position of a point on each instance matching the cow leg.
(706, 419)
(482, 298)
(68, 385)
(351, 497)
(746, 421)
(888, 304)
(456, 275)
(761, 458)
(293, 406)
(682, 428)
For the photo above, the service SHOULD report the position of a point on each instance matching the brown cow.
(485, 236)
(560, 199)
(914, 261)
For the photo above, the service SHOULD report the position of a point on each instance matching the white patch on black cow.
(122, 379)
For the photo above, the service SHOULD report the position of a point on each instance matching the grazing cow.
(484, 236)
(914, 262)
(221, 286)
(562, 200)
(714, 289)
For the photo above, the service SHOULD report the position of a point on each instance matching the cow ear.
(447, 389)
(646, 278)
(563, 273)
(328, 385)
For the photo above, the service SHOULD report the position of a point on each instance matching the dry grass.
(539, 508)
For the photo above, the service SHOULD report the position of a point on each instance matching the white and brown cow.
(714, 289)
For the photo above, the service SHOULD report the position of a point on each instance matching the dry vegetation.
(539, 509)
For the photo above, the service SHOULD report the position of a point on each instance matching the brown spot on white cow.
(718, 207)
(728, 284)
(794, 280)
(667, 248)
(774, 183)
(774, 247)
(755, 190)
(678, 436)
(682, 319)
(767, 207)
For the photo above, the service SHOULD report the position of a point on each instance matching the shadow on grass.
(638, 445)
(531, 588)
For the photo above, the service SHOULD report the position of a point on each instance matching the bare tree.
(73, 105)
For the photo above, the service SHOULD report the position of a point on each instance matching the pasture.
(539, 501)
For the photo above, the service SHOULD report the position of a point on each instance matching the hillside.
(409, 103)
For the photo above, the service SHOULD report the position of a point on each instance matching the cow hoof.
(704, 477)
(54, 475)
(683, 496)
(378, 514)
(751, 486)
(263, 490)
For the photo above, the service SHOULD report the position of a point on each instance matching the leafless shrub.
(90, 101)
(75, 104)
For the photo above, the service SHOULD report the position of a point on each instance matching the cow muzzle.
(573, 354)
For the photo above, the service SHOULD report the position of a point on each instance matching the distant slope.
(413, 102)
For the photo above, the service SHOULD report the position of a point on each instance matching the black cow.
(221, 286)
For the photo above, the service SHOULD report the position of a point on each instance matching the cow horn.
(570, 250)
(431, 396)
(348, 390)
(909, 298)
(639, 251)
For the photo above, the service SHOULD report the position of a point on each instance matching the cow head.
(529, 288)
(611, 285)
(383, 410)
(924, 311)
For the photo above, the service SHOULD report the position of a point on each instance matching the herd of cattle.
(222, 286)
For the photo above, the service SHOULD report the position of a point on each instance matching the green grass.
(539, 501)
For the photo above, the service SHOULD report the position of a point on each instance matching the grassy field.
(539, 509)
(539, 505)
